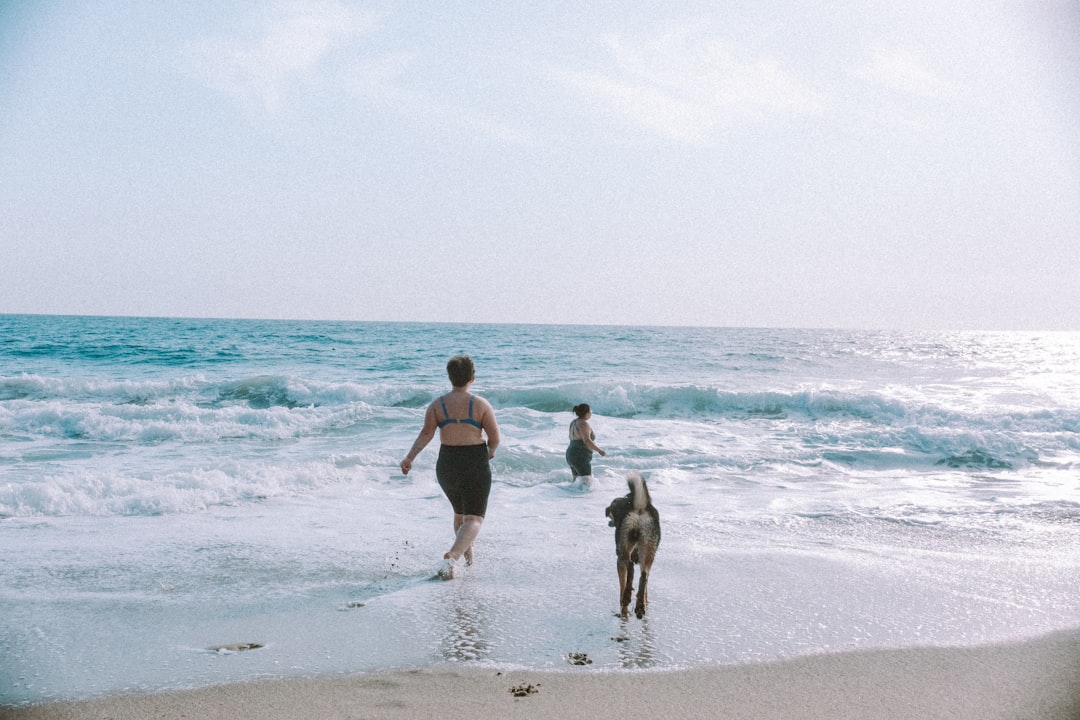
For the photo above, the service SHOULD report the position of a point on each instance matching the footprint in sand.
(525, 690)
(235, 647)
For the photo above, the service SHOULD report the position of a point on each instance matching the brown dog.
(637, 536)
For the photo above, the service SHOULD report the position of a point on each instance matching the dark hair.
(461, 370)
(582, 410)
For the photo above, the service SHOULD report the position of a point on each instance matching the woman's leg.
(466, 528)
(465, 477)
(468, 554)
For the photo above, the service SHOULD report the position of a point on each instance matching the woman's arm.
(584, 433)
(491, 428)
(427, 432)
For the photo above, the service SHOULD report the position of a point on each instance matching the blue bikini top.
(467, 421)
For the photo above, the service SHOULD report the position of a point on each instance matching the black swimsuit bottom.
(464, 474)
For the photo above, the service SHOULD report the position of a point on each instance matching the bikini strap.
(446, 415)
(467, 421)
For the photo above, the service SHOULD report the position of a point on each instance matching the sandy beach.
(1038, 679)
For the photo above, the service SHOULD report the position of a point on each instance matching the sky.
(851, 164)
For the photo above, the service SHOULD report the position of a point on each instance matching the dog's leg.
(623, 595)
(642, 595)
(643, 587)
(626, 585)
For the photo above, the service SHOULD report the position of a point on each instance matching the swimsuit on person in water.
(463, 471)
(464, 474)
(447, 419)
(578, 454)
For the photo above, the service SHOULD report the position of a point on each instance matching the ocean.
(172, 487)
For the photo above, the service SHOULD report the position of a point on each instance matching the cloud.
(385, 80)
(688, 85)
(282, 47)
(903, 73)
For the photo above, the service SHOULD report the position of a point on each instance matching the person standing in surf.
(582, 445)
(462, 469)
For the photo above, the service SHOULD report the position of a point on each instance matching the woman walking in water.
(580, 450)
(463, 470)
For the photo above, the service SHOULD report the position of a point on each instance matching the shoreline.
(1038, 678)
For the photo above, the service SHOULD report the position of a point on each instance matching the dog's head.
(618, 510)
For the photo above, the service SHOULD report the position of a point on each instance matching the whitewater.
(172, 490)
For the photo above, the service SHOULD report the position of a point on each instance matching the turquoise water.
(170, 485)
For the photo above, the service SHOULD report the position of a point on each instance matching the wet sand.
(1034, 679)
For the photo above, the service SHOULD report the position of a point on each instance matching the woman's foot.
(446, 568)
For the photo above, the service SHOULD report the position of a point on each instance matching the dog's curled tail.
(638, 490)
